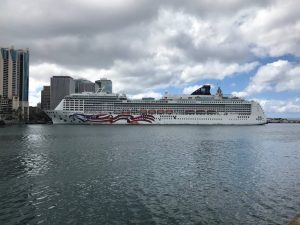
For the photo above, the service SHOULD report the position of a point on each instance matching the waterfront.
(149, 174)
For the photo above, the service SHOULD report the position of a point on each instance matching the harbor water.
(68, 174)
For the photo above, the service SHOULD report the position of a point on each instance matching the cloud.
(96, 34)
(188, 90)
(73, 17)
(150, 94)
(143, 46)
(274, 30)
(215, 70)
(280, 106)
(44, 71)
(217, 8)
(277, 76)
(35, 91)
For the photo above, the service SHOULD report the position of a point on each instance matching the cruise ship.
(200, 107)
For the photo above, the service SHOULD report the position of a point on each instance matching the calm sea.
(149, 174)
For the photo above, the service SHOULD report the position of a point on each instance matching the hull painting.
(63, 117)
(110, 119)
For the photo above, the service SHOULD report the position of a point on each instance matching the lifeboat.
(143, 111)
(151, 111)
(125, 113)
(160, 111)
(169, 111)
(190, 111)
(211, 112)
(200, 112)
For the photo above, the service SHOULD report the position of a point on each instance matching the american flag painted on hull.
(108, 118)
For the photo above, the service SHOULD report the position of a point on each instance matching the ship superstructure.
(200, 107)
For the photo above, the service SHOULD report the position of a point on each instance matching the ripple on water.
(149, 175)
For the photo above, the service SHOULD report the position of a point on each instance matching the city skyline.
(249, 48)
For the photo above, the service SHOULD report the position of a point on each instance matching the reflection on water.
(149, 174)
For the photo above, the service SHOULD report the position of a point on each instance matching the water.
(149, 174)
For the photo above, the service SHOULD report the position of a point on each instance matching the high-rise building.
(14, 81)
(59, 88)
(45, 98)
(105, 85)
(82, 85)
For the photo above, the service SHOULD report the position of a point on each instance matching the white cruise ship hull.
(67, 117)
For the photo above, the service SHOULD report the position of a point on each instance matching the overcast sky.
(250, 48)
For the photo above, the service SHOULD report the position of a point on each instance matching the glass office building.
(14, 80)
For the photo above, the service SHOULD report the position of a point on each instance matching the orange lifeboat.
(160, 111)
(151, 111)
(143, 111)
(169, 111)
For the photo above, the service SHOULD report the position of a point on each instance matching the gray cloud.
(228, 51)
(78, 52)
(218, 8)
(47, 18)
(74, 33)
(143, 44)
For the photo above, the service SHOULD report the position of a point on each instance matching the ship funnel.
(204, 90)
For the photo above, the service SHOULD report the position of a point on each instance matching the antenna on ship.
(219, 90)
(219, 93)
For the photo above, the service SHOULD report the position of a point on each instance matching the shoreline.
(282, 120)
(15, 122)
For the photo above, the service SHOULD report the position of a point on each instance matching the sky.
(250, 48)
